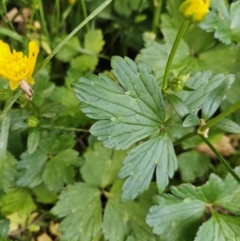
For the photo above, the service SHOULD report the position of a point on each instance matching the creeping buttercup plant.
(130, 129)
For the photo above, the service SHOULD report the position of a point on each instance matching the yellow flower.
(17, 67)
(71, 1)
(195, 10)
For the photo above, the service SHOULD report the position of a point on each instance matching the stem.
(156, 15)
(64, 128)
(221, 159)
(185, 137)
(4, 138)
(49, 57)
(173, 51)
(84, 9)
(225, 113)
(42, 16)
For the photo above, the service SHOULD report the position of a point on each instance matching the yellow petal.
(29, 80)
(13, 84)
(33, 50)
(4, 50)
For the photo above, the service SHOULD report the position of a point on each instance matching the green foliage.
(184, 209)
(224, 21)
(150, 115)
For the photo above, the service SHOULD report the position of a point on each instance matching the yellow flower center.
(15, 66)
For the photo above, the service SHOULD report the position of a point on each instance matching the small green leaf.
(128, 112)
(120, 219)
(84, 63)
(101, 165)
(9, 172)
(59, 170)
(93, 40)
(44, 195)
(4, 228)
(178, 105)
(141, 162)
(214, 99)
(220, 227)
(57, 142)
(17, 200)
(80, 206)
(33, 139)
(68, 50)
(31, 168)
(191, 120)
(192, 165)
(228, 126)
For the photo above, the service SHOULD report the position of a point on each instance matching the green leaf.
(228, 126)
(93, 40)
(127, 7)
(59, 170)
(141, 162)
(128, 112)
(220, 227)
(33, 139)
(101, 165)
(214, 99)
(17, 200)
(175, 219)
(178, 105)
(183, 210)
(31, 168)
(223, 21)
(120, 219)
(191, 120)
(57, 142)
(203, 83)
(68, 50)
(82, 214)
(84, 63)
(9, 172)
(4, 228)
(192, 165)
(44, 195)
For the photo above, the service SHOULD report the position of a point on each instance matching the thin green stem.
(84, 9)
(64, 128)
(173, 51)
(43, 21)
(225, 113)
(156, 14)
(4, 137)
(185, 137)
(57, 11)
(221, 159)
(49, 57)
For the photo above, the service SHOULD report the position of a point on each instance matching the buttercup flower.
(17, 67)
(195, 10)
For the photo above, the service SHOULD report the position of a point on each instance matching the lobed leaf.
(141, 162)
(83, 213)
(128, 111)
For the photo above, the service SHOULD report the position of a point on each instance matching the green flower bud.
(33, 121)
(184, 77)
(176, 84)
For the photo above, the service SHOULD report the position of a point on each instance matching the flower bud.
(194, 10)
(176, 84)
(33, 121)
